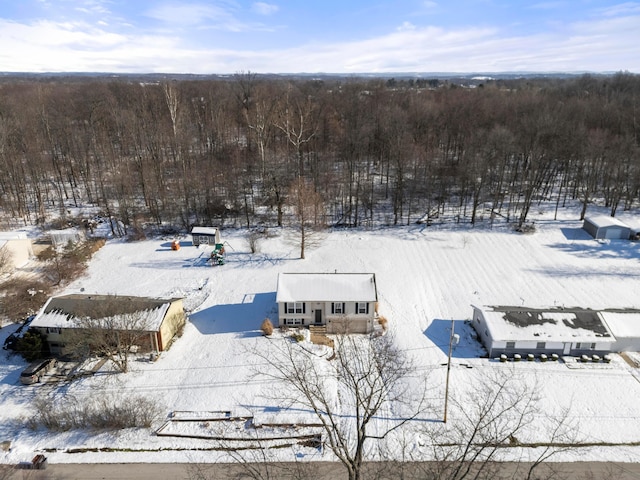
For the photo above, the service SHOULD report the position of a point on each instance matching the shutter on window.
(304, 307)
(286, 308)
(343, 309)
(367, 308)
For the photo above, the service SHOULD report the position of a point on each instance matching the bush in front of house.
(32, 346)
(266, 327)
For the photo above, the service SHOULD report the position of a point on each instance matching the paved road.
(169, 471)
(315, 471)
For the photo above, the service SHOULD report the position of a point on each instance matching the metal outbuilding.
(605, 227)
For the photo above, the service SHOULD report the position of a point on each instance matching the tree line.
(239, 151)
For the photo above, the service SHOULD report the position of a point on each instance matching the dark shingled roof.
(581, 318)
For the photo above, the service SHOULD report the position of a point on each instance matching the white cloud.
(406, 26)
(221, 16)
(546, 5)
(621, 9)
(188, 14)
(262, 8)
(429, 4)
(44, 34)
(593, 46)
(50, 47)
(607, 43)
(93, 7)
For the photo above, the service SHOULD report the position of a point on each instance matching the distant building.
(344, 302)
(606, 227)
(160, 318)
(624, 325)
(15, 250)
(205, 235)
(564, 331)
(62, 238)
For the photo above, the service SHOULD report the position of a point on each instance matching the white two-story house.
(344, 302)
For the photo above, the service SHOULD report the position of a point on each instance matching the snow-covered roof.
(539, 325)
(204, 230)
(326, 287)
(12, 236)
(602, 221)
(66, 311)
(622, 323)
(62, 237)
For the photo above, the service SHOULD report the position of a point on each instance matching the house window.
(511, 345)
(294, 307)
(541, 345)
(362, 307)
(294, 321)
(54, 330)
(204, 239)
(338, 308)
(585, 346)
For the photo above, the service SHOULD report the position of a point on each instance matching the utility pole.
(446, 388)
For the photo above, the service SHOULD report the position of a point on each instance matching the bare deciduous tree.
(297, 118)
(360, 396)
(5, 259)
(489, 420)
(112, 336)
(308, 208)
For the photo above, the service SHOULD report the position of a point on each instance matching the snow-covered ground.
(426, 277)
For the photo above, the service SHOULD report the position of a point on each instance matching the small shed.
(205, 236)
(605, 227)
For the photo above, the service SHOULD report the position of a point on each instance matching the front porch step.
(319, 335)
(318, 329)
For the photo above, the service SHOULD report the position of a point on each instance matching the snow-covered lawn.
(426, 277)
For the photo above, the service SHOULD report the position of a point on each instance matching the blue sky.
(347, 36)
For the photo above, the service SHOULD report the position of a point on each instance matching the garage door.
(613, 233)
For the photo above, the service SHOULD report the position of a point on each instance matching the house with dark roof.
(563, 331)
(522, 330)
(158, 319)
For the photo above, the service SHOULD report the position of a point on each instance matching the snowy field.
(426, 277)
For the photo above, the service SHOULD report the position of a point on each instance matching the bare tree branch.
(353, 396)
